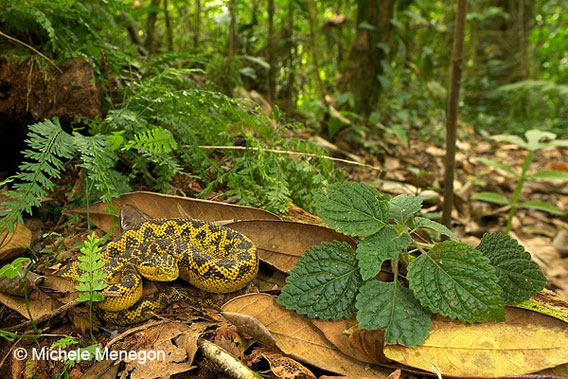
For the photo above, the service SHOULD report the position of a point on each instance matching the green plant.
(64, 343)
(91, 282)
(20, 267)
(535, 140)
(450, 278)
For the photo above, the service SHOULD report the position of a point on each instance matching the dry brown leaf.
(282, 366)
(38, 308)
(102, 370)
(158, 205)
(525, 343)
(280, 243)
(370, 343)
(13, 245)
(297, 337)
(549, 303)
(251, 326)
(174, 338)
(335, 332)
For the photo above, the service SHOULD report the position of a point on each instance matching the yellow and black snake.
(211, 257)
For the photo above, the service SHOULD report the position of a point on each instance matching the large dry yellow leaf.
(296, 336)
(157, 205)
(281, 243)
(526, 342)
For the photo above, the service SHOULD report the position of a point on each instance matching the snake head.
(161, 268)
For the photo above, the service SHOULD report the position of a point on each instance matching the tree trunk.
(232, 37)
(364, 65)
(271, 60)
(197, 23)
(452, 112)
(151, 26)
(291, 57)
(313, 48)
(169, 36)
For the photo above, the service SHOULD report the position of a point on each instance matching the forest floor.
(413, 169)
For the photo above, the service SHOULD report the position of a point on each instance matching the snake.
(211, 257)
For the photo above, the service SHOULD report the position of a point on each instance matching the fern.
(99, 161)
(156, 140)
(47, 145)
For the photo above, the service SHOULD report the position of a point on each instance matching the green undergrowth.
(450, 278)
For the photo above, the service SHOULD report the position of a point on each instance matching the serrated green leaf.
(324, 283)
(457, 281)
(422, 222)
(541, 206)
(394, 308)
(495, 164)
(403, 206)
(352, 208)
(491, 197)
(518, 275)
(387, 243)
(550, 174)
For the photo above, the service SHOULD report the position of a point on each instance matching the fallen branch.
(226, 361)
(32, 49)
(291, 153)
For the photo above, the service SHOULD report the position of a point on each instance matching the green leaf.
(537, 138)
(366, 25)
(324, 283)
(394, 308)
(258, 60)
(457, 281)
(519, 277)
(516, 140)
(541, 206)
(550, 174)
(248, 71)
(495, 164)
(491, 197)
(352, 208)
(402, 207)
(422, 222)
(387, 243)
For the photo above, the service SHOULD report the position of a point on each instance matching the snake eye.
(158, 271)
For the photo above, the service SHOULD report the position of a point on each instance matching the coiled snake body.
(211, 257)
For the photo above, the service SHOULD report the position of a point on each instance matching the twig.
(291, 153)
(45, 317)
(32, 49)
(226, 361)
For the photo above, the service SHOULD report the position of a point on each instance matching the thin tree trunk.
(197, 23)
(170, 40)
(452, 112)
(151, 26)
(232, 30)
(291, 55)
(313, 49)
(271, 60)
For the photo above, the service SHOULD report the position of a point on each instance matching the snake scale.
(211, 257)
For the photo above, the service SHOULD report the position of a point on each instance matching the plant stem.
(27, 300)
(518, 189)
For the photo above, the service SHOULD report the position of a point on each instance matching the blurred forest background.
(149, 83)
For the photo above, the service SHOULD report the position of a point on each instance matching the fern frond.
(98, 160)
(47, 145)
(156, 140)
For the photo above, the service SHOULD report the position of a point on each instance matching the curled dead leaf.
(281, 365)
